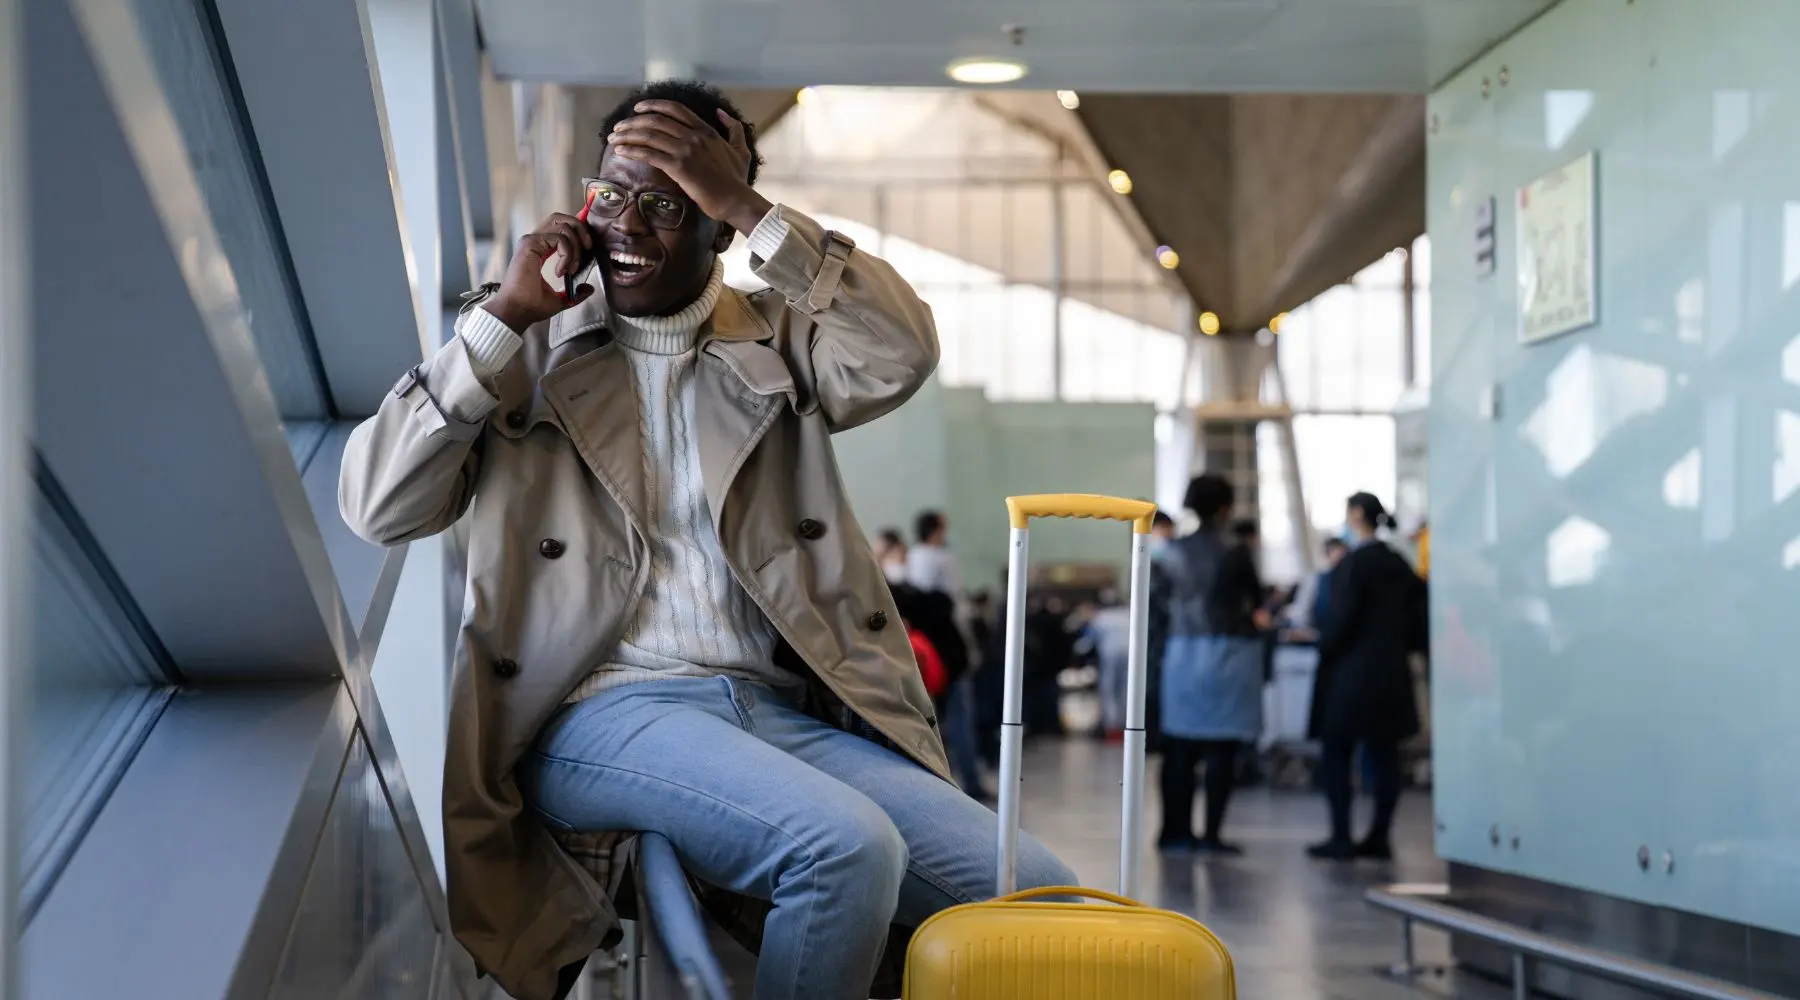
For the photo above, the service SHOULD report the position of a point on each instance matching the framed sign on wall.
(1557, 292)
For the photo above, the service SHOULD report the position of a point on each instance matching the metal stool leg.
(1521, 976)
(1408, 965)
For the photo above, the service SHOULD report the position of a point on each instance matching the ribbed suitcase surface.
(1009, 949)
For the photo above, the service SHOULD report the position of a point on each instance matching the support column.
(15, 481)
(405, 36)
(1305, 538)
(1058, 250)
(1233, 367)
(1190, 354)
(1409, 351)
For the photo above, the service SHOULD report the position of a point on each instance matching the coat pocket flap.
(763, 370)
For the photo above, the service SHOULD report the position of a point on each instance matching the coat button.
(506, 669)
(515, 419)
(811, 530)
(550, 548)
(877, 621)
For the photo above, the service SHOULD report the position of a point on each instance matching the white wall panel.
(1616, 548)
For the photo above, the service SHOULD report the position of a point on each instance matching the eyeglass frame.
(636, 197)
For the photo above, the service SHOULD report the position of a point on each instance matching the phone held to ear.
(587, 258)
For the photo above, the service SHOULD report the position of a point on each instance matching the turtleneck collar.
(673, 334)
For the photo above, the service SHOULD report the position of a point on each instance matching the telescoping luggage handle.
(1012, 720)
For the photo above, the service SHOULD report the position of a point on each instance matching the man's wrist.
(749, 210)
(507, 313)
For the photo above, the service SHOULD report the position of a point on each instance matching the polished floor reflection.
(1297, 928)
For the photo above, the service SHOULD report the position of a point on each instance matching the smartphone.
(587, 256)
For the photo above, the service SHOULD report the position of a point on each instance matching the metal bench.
(668, 955)
(1429, 905)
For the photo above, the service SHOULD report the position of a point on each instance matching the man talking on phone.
(673, 621)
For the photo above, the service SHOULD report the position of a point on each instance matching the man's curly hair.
(703, 99)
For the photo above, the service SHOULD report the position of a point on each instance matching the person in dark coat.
(1363, 694)
(1162, 532)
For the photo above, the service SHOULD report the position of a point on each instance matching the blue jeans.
(844, 837)
(958, 723)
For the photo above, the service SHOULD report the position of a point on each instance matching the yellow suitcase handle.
(1023, 509)
(1067, 890)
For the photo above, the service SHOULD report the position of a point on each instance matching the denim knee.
(863, 847)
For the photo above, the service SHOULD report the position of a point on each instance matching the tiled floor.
(1297, 928)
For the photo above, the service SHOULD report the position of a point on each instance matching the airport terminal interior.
(1455, 344)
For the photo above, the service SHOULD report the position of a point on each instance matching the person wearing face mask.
(1363, 694)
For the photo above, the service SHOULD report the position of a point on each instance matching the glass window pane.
(1422, 311)
(1384, 273)
(1380, 337)
(232, 182)
(363, 930)
(1334, 336)
(95, 691)
(1342, 455)
(1281, 557)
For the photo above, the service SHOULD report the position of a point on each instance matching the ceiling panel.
(1269, 198)
(1213, 46)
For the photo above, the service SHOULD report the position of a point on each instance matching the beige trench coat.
(547, 463)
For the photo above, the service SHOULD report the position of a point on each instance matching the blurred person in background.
(908, 601)
(1049, 650)
(1246, 536)
(929, 564)
(981, 627)
(890, 552)
(1108, 631)
(1364, 695)
(1212, 670)
(1311, 595)
(1421, 540)
(1162, 532)
(931, 570)
(1335, 549)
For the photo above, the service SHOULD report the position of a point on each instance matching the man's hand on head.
(713, 171)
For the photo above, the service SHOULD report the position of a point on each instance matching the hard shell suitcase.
(1021, 945)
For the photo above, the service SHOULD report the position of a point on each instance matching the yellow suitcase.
(1018, 946)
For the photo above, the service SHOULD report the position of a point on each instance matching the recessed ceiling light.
(1069, 99)
(1168, 258)
(1276, 321)
(1209, 323)
(986, 70)
(1120, 181)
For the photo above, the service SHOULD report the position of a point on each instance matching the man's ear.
(722, 238)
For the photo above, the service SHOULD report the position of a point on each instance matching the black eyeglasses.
(607, 200)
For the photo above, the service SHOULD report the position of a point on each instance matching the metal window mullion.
(15, 465)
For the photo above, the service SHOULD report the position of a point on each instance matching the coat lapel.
(739, 387)
(730, 419)
(595, 397)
